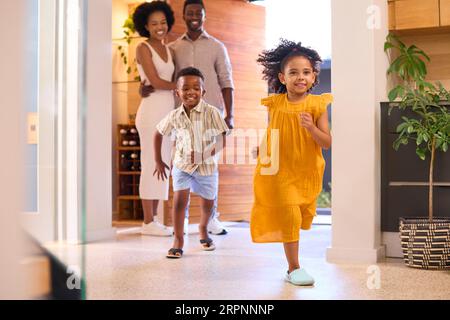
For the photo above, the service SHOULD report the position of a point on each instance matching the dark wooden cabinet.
(404, 177)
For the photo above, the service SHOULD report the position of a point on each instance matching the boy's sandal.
(207, 244)
(174, 253)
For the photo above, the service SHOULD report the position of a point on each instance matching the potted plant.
(425, 240)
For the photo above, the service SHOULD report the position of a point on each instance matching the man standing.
(198, 49)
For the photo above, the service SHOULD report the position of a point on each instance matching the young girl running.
(288, 176)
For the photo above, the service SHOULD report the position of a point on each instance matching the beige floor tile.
(135, 267)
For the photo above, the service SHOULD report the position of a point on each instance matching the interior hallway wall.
(13, 82)
(99, 115)
(359, 84)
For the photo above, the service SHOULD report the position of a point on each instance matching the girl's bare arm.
(320, 132)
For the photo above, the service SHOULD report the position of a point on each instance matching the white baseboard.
(101, 235)
(355, 255)
(392, 242)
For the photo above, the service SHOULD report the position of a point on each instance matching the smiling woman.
(156, 68)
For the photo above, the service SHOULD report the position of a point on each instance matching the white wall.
(359, 84)
(13, 82)
(99, 115)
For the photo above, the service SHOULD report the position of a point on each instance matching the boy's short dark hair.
(188, 2)
(190, 71)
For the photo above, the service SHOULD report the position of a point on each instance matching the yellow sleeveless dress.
(289, 173)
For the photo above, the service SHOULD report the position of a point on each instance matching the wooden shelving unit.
(128, 173)
(413, 17)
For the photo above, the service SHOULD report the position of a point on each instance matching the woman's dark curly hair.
(143, 11)
(275, 60)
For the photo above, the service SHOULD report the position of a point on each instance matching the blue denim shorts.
(205, 186)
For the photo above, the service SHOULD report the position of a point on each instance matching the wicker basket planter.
(426, 245)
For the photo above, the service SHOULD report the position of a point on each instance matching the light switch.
(32, 128)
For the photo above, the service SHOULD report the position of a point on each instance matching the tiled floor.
(135, 267)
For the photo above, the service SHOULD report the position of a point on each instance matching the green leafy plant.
(430, 126)
(129, 31)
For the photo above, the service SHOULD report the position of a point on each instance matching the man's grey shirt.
(210, 56)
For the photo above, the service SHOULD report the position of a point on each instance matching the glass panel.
(54, 214)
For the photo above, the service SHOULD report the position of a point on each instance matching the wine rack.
(128, 173)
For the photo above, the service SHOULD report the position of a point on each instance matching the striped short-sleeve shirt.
(195, 132)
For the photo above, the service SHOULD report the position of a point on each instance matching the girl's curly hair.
(275, 60)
